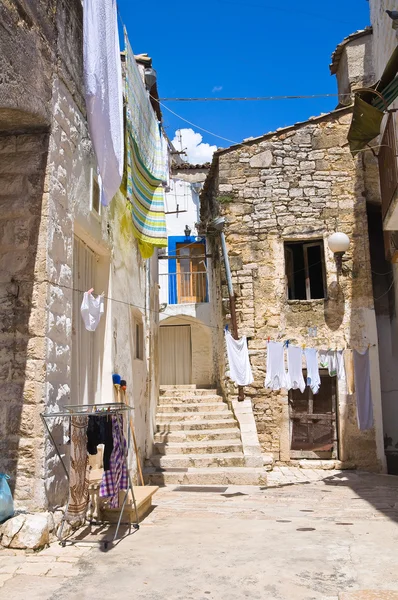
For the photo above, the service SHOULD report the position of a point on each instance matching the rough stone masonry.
(299, 183)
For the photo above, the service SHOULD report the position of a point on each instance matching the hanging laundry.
(327, 360)
(349, 371)
(92, 310)
(146, 165)
(363, 390)
(313, 378)
(295, 379)
(238, 358)
(116, 478)
(323, 359)
(104, 92)
(99, 431)
(340, 365)
(78, 472)
(276, 377)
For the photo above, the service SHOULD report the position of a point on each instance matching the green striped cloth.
(145, 167)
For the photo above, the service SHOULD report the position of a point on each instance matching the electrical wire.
(193, 124)
(252, 98)
(385, 293)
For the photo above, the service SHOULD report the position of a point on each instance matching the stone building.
(56, 241)
(282, 195)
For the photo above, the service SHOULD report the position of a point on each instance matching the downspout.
(231, 294)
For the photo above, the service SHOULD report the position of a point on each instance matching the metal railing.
(183, 288)
(388, 166)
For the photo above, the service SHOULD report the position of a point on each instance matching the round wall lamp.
(339, 243)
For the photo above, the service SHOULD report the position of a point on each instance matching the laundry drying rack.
(98, 410)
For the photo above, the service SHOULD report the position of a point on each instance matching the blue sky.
(247, 48)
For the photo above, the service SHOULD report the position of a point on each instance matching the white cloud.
(217, 88)
(198, 152)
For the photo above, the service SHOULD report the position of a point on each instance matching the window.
(305, 270)
(313, 420)
(139, 341)
(191, 273)
(95, 194)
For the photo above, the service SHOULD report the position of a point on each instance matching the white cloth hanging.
(238, 359)
(328, 360)
(313, 378)
(295, 379)
(340, 365)
(363, 390)
(276, 375)
(92, 310)
(103, 91)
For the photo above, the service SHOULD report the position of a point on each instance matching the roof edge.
(334, 113)
(337, 54)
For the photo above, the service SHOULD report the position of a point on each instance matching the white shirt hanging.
(92, 310)
(295, 379)
(238, 358)
(276, 374)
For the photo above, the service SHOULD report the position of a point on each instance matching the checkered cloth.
(116, 478)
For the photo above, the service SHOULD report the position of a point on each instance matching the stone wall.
(45, 197)
(298, 184)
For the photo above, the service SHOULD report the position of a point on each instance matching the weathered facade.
(55, 239)
(298, 186)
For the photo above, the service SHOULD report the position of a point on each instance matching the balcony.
(186, 287)
(388, 171)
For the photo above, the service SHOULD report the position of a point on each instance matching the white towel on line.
(238, 358)
(276, 377)
(313, 378)
(295, 379)
(104, 93)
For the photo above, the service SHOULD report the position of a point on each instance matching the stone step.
(189, 399)
(197, 424)
(210, 476)
(186, 389)
(192, 417)
(181, 461)
(201, 447)
(199, 407)
(198, 435)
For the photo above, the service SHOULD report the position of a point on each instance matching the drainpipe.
(235, 333)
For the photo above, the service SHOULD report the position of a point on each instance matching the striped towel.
(145, 166)
(146, 197)
(142, 120)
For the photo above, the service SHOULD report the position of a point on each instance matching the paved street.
(311, 535)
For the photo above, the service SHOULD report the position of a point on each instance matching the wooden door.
(175, 355)
(313, 421)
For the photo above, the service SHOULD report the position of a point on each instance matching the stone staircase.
(198, 441)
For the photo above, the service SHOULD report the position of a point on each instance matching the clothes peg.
(90, 291)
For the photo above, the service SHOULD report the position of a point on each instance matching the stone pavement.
(310, 535)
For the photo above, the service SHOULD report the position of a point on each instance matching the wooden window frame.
(306, 245)
(138, 340)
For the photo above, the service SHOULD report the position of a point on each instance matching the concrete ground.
(311, 535)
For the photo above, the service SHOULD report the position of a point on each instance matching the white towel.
(313, 378)
(103, 90)
(295, 379)
(340, 365)
(363, 390)
(238, 358)
(276, 377)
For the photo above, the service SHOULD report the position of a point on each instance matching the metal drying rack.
(99, 410)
